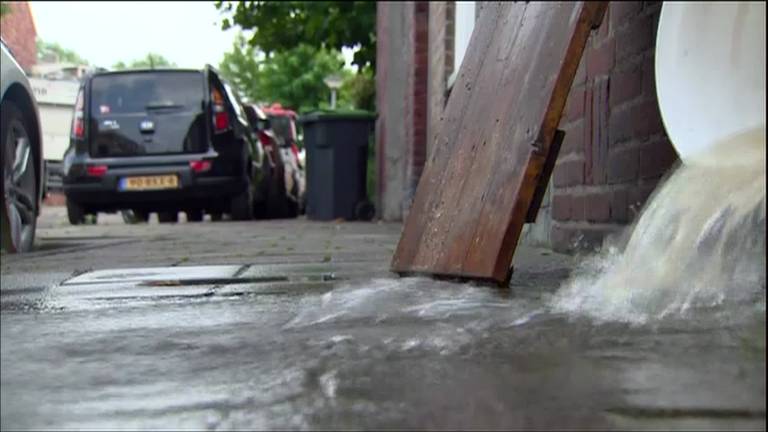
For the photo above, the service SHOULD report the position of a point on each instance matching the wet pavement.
(299, 325)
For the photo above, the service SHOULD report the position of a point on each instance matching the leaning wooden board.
(498, 129)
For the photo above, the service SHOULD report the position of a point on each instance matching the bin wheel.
(365, 211)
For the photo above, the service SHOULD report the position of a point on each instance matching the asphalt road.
(296, 324)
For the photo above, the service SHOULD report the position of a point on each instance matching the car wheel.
(75, 213)
(276, 207)
(216, 217)
(168, 217)
(241, 206)
(194, 215)
(261, 207)
(292, 206)
(18, 201)
(134, 217)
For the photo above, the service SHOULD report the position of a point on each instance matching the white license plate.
(149, 183)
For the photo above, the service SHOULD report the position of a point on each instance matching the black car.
(163, 141)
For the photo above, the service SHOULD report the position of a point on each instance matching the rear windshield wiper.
(162, 105)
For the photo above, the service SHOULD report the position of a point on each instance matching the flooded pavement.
(328, 339)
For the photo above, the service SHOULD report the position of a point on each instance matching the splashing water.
(699, 243)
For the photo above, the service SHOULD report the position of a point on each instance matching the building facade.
(615, 149)
(17, 28)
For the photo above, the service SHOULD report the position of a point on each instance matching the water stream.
(698, 244)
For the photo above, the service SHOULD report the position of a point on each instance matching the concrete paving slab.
(180, 273)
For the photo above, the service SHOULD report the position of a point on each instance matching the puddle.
(699, 244)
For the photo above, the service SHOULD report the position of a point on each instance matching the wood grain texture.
(500, 121)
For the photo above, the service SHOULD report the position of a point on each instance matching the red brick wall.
(18, 31)
(615, 147)
(418, 148)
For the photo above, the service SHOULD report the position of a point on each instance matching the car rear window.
(282, 126)
(137, 92)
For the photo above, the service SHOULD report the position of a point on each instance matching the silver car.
(22, 164)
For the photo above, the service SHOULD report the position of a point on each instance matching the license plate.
(149, 183)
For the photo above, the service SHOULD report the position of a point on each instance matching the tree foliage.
(359, 90)
(293, 77)
(64, 55)
(150, 61)
(5, 9)
(242, 68)
(284, 25)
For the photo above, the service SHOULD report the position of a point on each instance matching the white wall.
(55, 101)
(55, 123)
(464, 25)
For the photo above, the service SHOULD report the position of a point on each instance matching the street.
(295, 324)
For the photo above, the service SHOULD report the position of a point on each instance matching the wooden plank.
(500, 121)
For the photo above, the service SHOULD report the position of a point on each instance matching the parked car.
(286, 191)
(283, 123)
(21, 169)
(165, 141)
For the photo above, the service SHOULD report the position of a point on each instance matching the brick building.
(615, 149)
(17, 29)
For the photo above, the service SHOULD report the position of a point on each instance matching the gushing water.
(699, 243)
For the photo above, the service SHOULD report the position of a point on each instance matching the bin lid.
(333, 115)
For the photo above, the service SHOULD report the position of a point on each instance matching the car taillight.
(264, 138)
(96, 170)
(221, 121)
(220, 116)
(78, 127)
(200, 166)
(78, 124)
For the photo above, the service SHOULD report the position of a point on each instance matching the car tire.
(216, 217)
(241, 206)
(261, 207)
(168, 217)
(278, 203)
(19, 208)
(75, 213)
(194, 215)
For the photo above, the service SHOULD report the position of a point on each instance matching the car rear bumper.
(194, 191)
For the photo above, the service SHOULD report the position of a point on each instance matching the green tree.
(359, 90)
(284, 25)
(242, 67)
(293, 77)
(5, 9)
(150, 61)
(63, 55)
